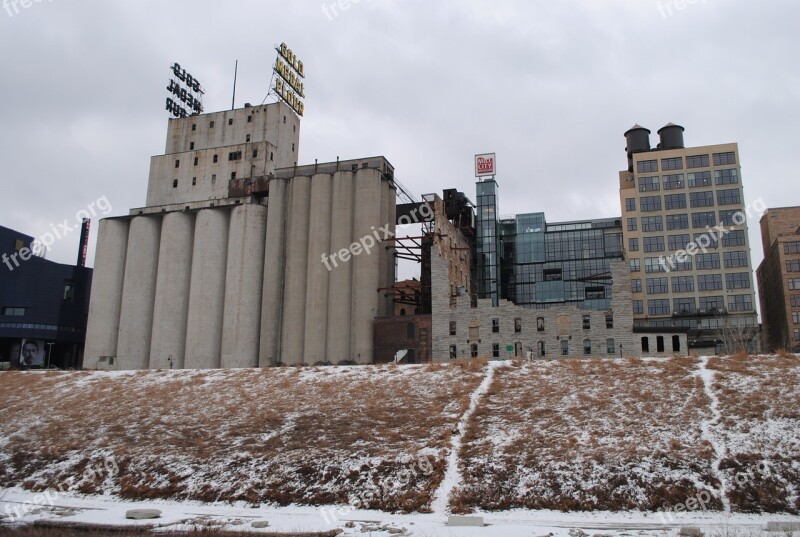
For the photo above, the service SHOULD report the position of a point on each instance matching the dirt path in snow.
(452, 476)
(708, 426)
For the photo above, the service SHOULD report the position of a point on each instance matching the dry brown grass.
(84, 530)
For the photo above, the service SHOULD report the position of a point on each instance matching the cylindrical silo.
(366, 266)
(294, 293)
(106, 299)
(171, 310)
(138, 293)
(340, 292)
(207, 289)
(274, 261)
(241, 324)
(319, 243)
(637, 139)
(383, 282)
(391, 274)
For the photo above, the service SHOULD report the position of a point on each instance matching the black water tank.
(638, 139)
(671, 136)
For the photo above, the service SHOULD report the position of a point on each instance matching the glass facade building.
(487, 243)
(545, 265)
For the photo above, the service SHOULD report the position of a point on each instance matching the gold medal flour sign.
(289, 80)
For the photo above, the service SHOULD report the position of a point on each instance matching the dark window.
(652, 223)
(609, 322)
(255, 153)
(196, 161)
(177, 163)
(213, 178)
(636, 285)
(194, 126)
(660, 344)
(731, 217)
(701, 199)
(247, 138)
(174, 183)
(711, 304)
(697, 161)
(495, 350)
(611, 348)
(587, 347)
(540, 324)
(654, 244)
(517, 325)
(704, 219)
(452, 328)
(791, 247)
(684, 306)
(211, 125)
(740, 303)
(630, 204)
(249, 119)
(633, 244)
(671, 164)
(677, 221)
(635, 265)
(638, 306)
(194, 181)
(564, 347)
(741, 280)
(647, 166)
(677, 242)
(729, 197)
(726, 177)
(650, 203)
(230, 121)
(735, 259)
(682, 284)
(734, 238)
(676, 343)
(233, 176)
(659, 306)
(657, 286)
(793, 265)
(632, 224)
(645, 344)
(474, 350)
(648, 184)
(675, 201)
(587, 322)
(673, 181)
(542, 348)
(453, 352)
(215, 159)
(706, 262)
(495, 326)
(191, 145)
(699, 179)
(721, 159)
(271, 156)
(235, 155)
(709, 282)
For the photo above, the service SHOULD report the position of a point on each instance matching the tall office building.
(487, 244)
(779, 278)
(686, 271)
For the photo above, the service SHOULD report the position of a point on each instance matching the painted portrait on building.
(30, 353)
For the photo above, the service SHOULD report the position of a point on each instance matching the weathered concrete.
(341, 275)
(274, 265)
(294, 303)
(319, 242)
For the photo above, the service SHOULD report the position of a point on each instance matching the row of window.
(793, 265)
(794, 284)
(701, 262)
(232, 156)
(708, 304)
(36, 326)
(683, 240)
(796, 317)
(700, 220)
(681, 284)
(13, 311)
(678, 201)
(676, 181)
(794, 300)
(212, 123)
(541, 348)
(692, 161)
(587, 325)
(791, 247)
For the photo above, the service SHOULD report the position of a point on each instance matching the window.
(631, 224)
(706, 261)
(659, 306)
(635, 265)
(249, 119)
(795, 301)
(796, 317)
(211, 125)
(660, 344)
(677, 221)
(648, 184)
(255, 153)
(213, 178)
(698, 179)
(738, 280)
(706, 240)
(701, 199)
(672, 163)
(194, 126)
(729, 197)
(542, 348)
(709, 282)
(215, 159)
(697, 161)
(791, 247)
(540, 324)
(734, 238)
(191, 146)
(684, 306)
(675, 201)
(636, 285)
(587, 322)
(676, 343)
(711, 304)
(735, 259)
(517, 325)
(587, 347)
(292, 147)
(657, 286)
(726, 177)
(731, 217)
(235, 155)
(564, 347)
(609, 321)
(652, 223)
(453, 352)
(645, 344)
(177, 163)
(630, 204)
(794, 284)
(721, 159)
(14, 312)
(638, 307)
(793, 265)
(452, 328)
(673, 181)
(271, 156)
(682, 284)
(194, 181)
(196, 160)
(495, 350)
(247, 138)
(495, 326)
(704, 219)
(633, 245)
(677, 242)
(174, 183)
(740, 303)
(797, 334)
(611, 348)
(650, 203)
(653, 264)
(230, 122)
(654, 244)
(284, 120)
(233, 176)
(473, 350)
(647, 166)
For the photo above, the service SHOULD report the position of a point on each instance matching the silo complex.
(229, 269)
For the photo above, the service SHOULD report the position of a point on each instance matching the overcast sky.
(549, 86)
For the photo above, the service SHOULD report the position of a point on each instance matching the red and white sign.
(485, 165)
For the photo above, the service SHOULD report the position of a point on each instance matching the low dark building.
(43, 307)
